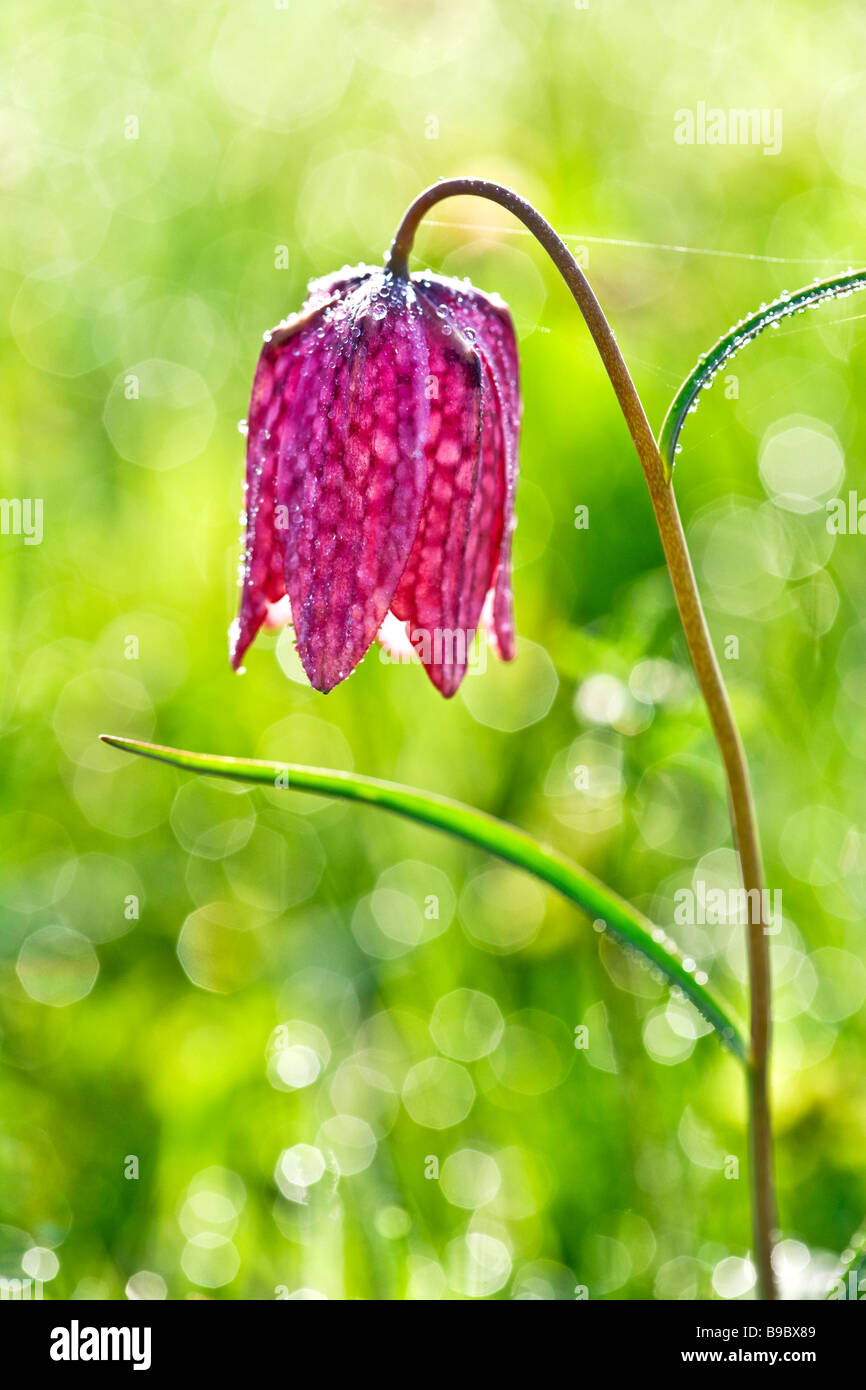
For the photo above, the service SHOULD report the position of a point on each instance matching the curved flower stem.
(704, 661)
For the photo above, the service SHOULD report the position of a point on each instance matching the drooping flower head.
(381, 473)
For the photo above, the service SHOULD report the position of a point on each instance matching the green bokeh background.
(173, 175)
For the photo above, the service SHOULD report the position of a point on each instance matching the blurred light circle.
(509, 696)
(325, 997)
(685, 1020)
(841, 987)
(535, 1053)
(602, 699)
(788, 958)
(391, 1039)
(673, 810)
(210, 1260)
(307, 1296)
(585, 784)
(350, 1142)
(718, 872)
(840, 127)
(40, 1263)
(543, 1281)
(209, 820)
(386, 924)
(360, 1087)
(393, 1223)
(155, 318)
(159, 414)
(205, 1210)
(36, 236)
(88, 704)
(801, 463)
(805, 547)
(678, 1279)
(146, 1286)
(601, 1053)
(257, 47)
(127, 800)
(222, 1180)
(812, 844)
(659, 682)
(477, 1265)
(276, 870)
(804, 1274)
(796, 993)
(57, 966)
(412, 902)
(698, 1141)
(400, 41)
(466, 1024)
(732, 1278)
(271, 871)
(215, 949)
(54, 319)
(294, 1068)
(610, 1265)
(502, 909)
(37, 861)
(743, 554)
(298, 1168)
(323, 222)
(790, 1257)
(165, 168)
(638, 1237)
(427, 1282)
(428, 887)
(438, 1093)
(819, 603)
(100, 897)
(469, 1178)
(664, 1044)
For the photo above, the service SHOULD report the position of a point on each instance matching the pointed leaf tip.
(709, 364)
(624, 922)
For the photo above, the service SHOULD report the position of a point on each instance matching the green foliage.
(137, 276)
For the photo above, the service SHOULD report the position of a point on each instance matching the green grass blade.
(623, 920)
(703, 372)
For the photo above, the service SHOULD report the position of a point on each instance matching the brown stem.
(703, 659)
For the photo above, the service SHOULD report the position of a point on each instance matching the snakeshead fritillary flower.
(381, 472)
